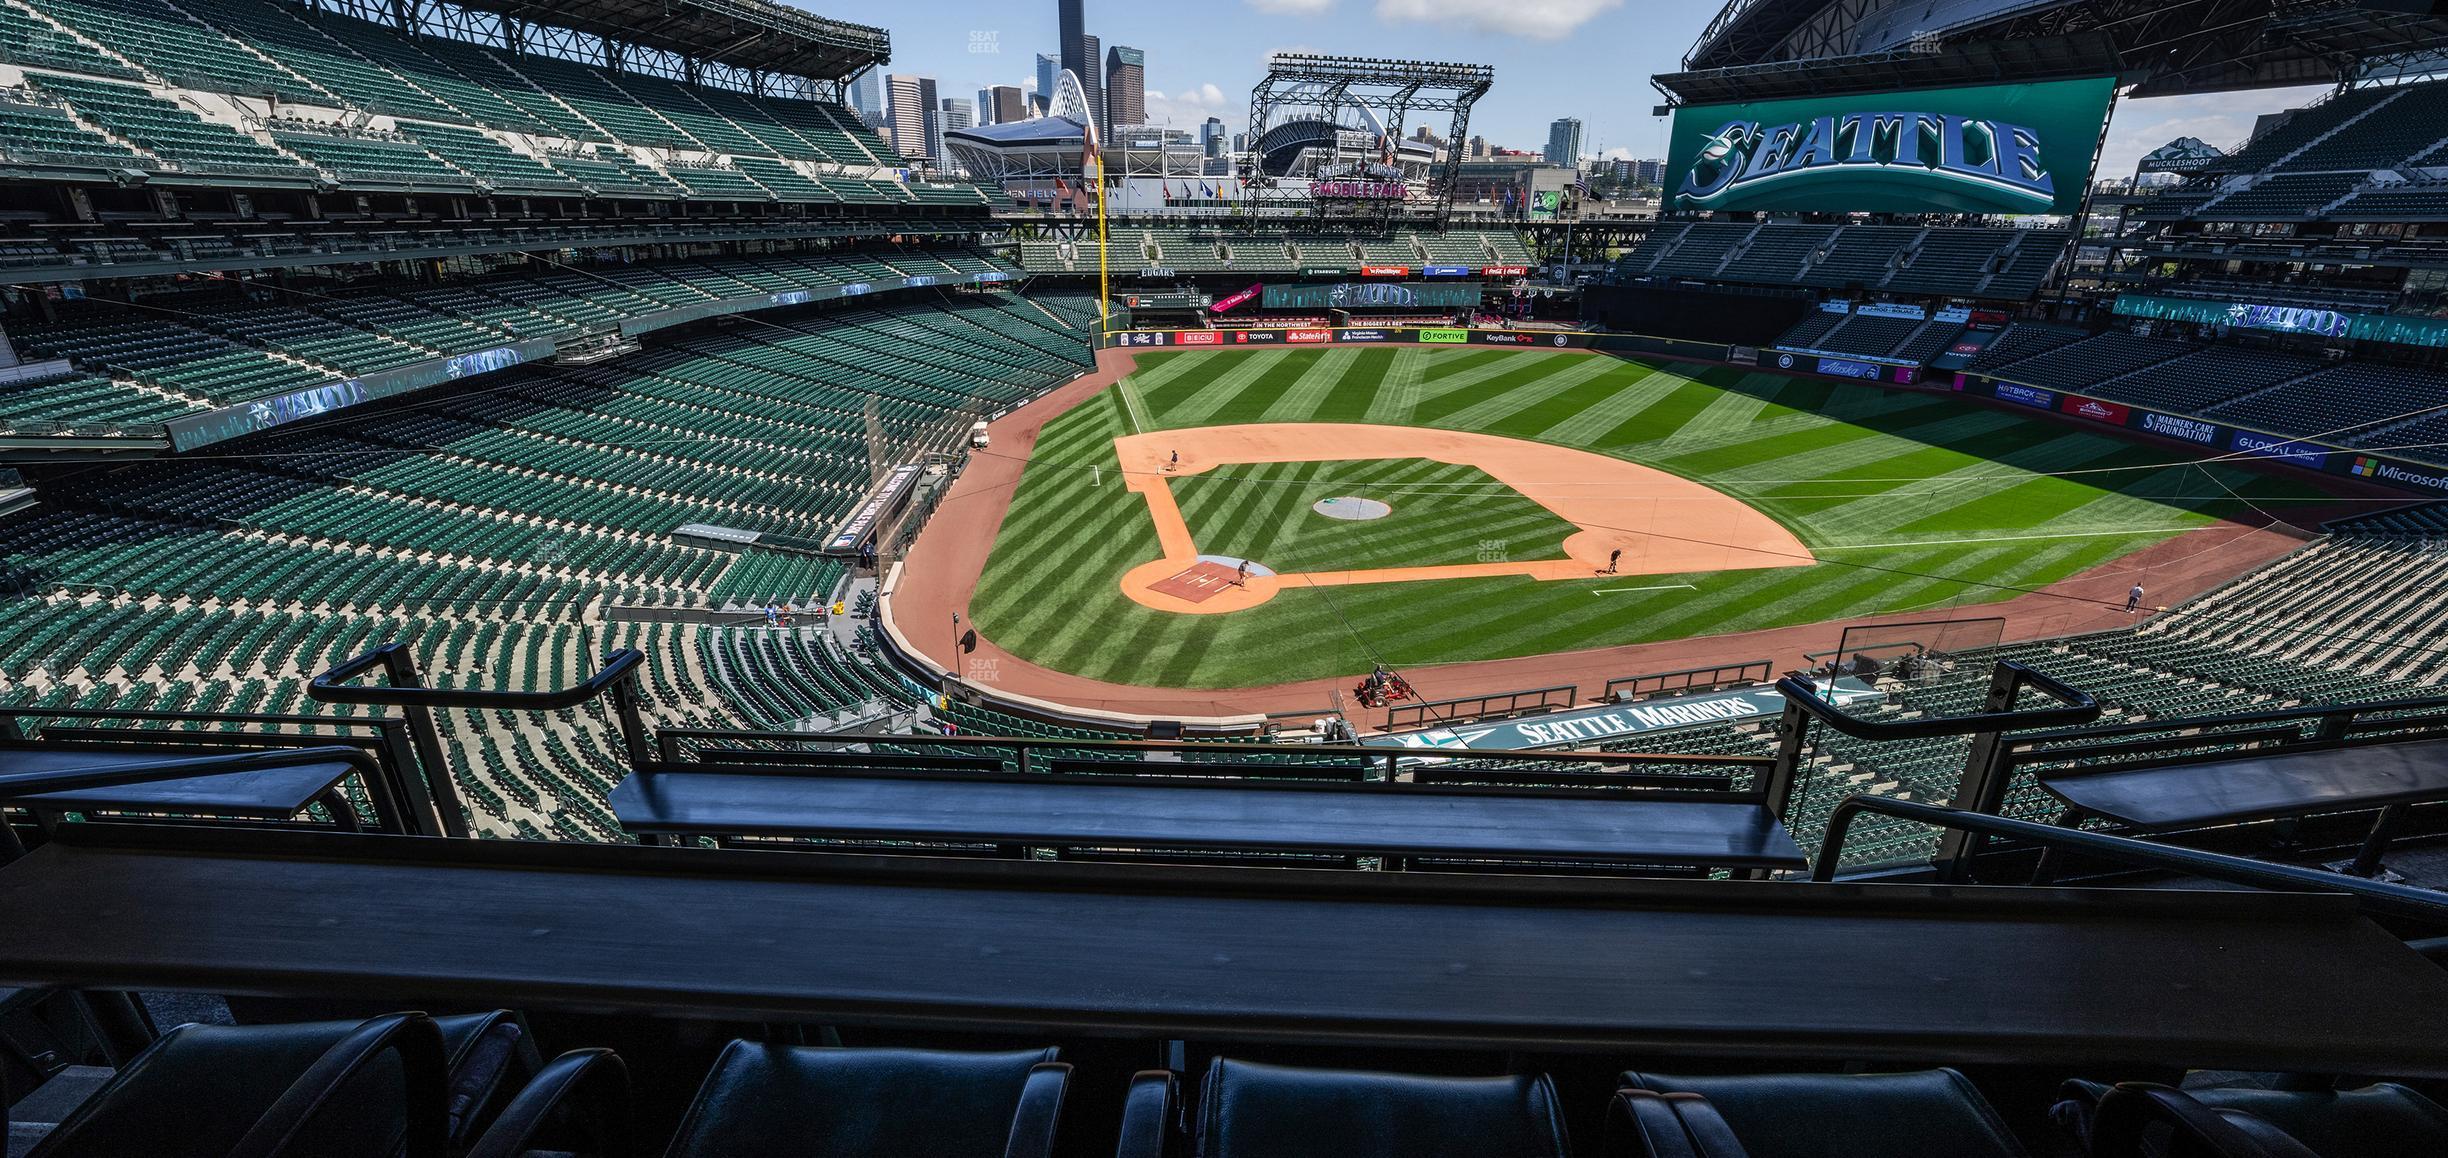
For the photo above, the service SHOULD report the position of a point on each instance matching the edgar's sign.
(1997, 149)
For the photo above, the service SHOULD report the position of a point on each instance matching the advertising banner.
(2096, 410)
(1385, 271)
(1444, 337)
(2027, 395)
(1892, 310)
(2172, 426)
(1848, 368)
(1257, 337)
(2302, 454)
(1308, 337)
(1504, 271)
(194, 430)
(1367, 336)
(1198, 338)
(1445, 271)
(2405, 331)
(1588, 726)
(2382, 470)
(2011, 148)
(1142, 338)
(1370, 295)
(1230, 301)
(2239, 315)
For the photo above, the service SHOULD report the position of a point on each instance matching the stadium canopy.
(1773, 48)
(748, 34)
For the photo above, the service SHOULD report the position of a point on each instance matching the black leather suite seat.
(771, 1101)
(1251, 1110)
(1924, 1114)
(199, 1090)
(2384, 1120)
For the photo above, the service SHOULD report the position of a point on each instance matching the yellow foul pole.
(1104, 274)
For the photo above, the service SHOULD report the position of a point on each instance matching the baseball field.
(1230, 519)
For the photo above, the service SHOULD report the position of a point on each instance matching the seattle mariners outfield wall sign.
(2012, 148)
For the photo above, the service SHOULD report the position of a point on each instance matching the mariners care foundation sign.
(2016, 148)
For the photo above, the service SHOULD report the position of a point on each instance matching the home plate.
(1205, 579)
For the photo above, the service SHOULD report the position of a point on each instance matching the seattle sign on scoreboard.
(2013, 148)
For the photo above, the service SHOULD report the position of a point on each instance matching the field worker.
(2133, 599)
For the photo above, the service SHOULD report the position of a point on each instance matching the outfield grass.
(1912, 501)
(1440, 513)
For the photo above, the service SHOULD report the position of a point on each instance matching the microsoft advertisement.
(2009, 148)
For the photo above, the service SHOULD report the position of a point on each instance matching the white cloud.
(2222, 119)
(1535, 19)
(1187, 108)
(1292, 7)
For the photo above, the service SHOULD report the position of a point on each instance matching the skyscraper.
(1092, 85)
(1048, 67)
(867, 95)
(1125, 86)
(1006, 101)
(986, 106)
(910, 121)
(1079, 52)
(1564, 141)
(954, 113)
(1211, 137)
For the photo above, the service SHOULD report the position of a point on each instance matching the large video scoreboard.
(2009, 148)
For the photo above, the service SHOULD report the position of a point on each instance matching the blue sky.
(1586, 58)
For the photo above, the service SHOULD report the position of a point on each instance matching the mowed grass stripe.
(1612, 407)
(1399, 390)
(1235, 373)
(1355, 394)
(1454, 394)
(1308, 393)
(1491, 415)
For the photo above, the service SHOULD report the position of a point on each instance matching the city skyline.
(1553, 59)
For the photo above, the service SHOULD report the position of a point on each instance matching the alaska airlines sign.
(1997, 149)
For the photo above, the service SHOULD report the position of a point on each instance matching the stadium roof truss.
(1771, 48)
(734, 42)
(1388, 91)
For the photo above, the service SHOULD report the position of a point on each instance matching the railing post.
(1982, 788)
(400, 670)
(632, 725)
(1793, 728)
(418, 816)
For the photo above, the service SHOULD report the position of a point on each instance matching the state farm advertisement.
(1308, 337)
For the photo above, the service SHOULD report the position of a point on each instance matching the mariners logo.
(1974, 163)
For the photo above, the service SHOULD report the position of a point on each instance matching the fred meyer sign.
(2016, 148)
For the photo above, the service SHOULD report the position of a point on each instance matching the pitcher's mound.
(1354, 510)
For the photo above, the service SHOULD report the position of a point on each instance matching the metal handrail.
(2376, 897)
(19, 786)
(2076, 707)
(619, 666)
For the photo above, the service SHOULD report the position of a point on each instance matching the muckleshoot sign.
(2010, 148)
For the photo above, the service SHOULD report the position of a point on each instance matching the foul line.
(1665, 587)
(1132, 406)
(2014, 538)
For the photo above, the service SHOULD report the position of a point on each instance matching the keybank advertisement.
(2009, 148)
